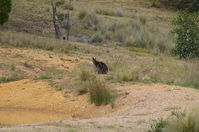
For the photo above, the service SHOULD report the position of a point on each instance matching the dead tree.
(68, 22)
(56, 25)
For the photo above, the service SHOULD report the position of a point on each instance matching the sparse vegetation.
(18, 40)
(178, 122)
(10, 78)
(118, 12)
(43, 77)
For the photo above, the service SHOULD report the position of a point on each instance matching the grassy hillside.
(126, 23)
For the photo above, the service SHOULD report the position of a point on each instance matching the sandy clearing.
(133, 111)
(39, 99)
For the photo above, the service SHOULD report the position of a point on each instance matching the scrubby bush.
(5, 8)
(186, 29)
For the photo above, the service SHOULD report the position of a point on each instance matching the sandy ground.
(26, 101)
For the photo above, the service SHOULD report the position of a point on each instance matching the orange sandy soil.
(27, 101)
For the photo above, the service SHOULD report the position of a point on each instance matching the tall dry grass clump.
(123, 71)
(191, 76)
(99, 92)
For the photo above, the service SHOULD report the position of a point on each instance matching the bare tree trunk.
(68, 22)
(56, 26)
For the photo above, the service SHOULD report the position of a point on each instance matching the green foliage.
(5, 8)
(186, 29)
(191, 5)
(61, 16)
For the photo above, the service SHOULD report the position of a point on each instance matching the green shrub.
(191, 5)
(186, 29)
(60, 16)
(5, 8)
(99, 93)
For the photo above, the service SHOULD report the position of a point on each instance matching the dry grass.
(142, 65)
(178, 122)
(99, 92)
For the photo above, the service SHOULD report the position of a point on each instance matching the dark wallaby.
(101, 67)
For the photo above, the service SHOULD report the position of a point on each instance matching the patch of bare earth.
(33, 63)
(26, 101)
(134, 110)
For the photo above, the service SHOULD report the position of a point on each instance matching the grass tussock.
(99, 92)
(43, 77)
(190, 77)
(118, 12)
(178, 122)
(85, 73)
(123, 72)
